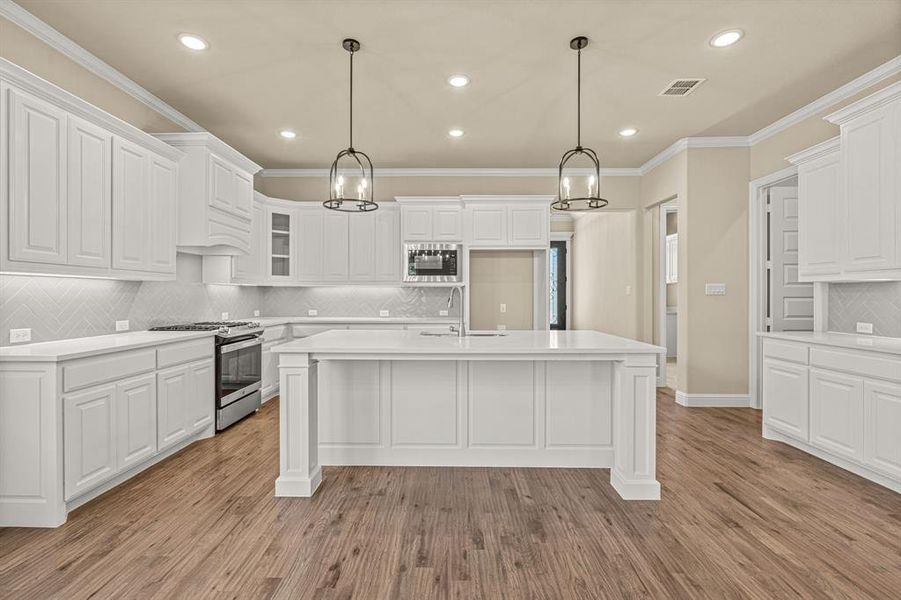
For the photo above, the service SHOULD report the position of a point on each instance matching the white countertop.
(61, 350)
(873, 343)
(272, 321)
(513, 343)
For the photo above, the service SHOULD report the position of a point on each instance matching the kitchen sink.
(451, 334)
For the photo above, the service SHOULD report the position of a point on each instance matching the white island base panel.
(485, 412)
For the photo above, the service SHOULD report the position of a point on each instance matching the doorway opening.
(557, 279)
(667, 293)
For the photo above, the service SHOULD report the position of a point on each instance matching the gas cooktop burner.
(220, 326)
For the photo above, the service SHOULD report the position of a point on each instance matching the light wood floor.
(741, 517)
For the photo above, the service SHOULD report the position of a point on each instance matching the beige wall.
(500, 277)
(25, 50)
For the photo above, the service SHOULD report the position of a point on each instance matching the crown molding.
(884, 96)
(204, 139)
(455, 172)
(855, 86)
(822, 149)
(733, 141)
(53, 38)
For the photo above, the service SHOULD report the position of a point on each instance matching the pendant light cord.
(351, 99)
(579, 99)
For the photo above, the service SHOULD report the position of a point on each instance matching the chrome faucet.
(460, 329)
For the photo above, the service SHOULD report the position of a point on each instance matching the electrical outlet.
(122, 325)
(628, 290)
(864, 327)
(715, 289)
(17, 336)
(502, 328)
(503, 308)
(312, 312)
(383, 313)
(256, 313)
(225, 316)
(442, 313)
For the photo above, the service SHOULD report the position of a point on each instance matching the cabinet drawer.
(868, 364)
(277, 332)
(86, 372)
(182, 352)
(785, 351)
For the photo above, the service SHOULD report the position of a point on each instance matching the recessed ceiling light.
(628, 132)
(287, 134)
(726, 38)
(455, 133)
(458, 80)
(194, 42)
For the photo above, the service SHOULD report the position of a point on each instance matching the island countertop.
(411, 343)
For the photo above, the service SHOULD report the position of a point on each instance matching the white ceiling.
(278, 64)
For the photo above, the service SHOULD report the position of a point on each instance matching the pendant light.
(578, 187)
(350, 178)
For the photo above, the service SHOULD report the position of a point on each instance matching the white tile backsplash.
(59, 307)
(878, 303)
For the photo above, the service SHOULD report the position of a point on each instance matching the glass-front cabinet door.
(281, 242)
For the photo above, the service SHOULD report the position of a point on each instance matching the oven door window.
(239, 369)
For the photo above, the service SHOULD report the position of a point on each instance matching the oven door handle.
(227, 348)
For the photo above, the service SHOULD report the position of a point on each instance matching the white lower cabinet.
(135, 410)
(89, 438)
(841, 404)
(272, 336)
(184, 401)
(882, 428)
(836, 413)
(785, 390)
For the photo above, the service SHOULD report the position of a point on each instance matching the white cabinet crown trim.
(884, 96)
(203, 139)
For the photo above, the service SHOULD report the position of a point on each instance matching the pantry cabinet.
(87, 194)
(850, 195)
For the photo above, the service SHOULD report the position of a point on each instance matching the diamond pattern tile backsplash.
(59, 308)
(878, 303)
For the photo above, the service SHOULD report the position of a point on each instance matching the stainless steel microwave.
(433, 263)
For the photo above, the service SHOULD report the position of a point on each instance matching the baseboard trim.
(713, 400)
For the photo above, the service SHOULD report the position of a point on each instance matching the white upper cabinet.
(249, 268)
(335, 246)
(37, 178)
(309, 245)
(281, 231)
(89, 186)
(361, 251)
(507, 221)
(216, 195)
(387, 245)
(431, 219)
(87, 194)
(820, 211)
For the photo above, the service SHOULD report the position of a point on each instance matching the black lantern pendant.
(579, 174)
(350, 178)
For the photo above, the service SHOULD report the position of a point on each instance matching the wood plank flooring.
(741, 517)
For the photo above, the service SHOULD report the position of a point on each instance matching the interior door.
(790, 302)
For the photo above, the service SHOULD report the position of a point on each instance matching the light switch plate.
(225, 316)
(864, 327)
(503, 308)
(122, 325)
(312, 312)
(383, 313)
(715, 289)
(17, 336)
(442, 313)
(256, 313)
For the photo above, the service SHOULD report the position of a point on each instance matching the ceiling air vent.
(681, 87)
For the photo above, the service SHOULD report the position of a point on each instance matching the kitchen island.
(527, 398)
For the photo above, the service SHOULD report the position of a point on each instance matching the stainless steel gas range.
(239, 370)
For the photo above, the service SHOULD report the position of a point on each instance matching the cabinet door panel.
(869, 170)
(309, 245)
(37, 180)
(882, 427)
(222, 185)
(361, 249)
(785, 399)
(387, 246)
(173, 387)
(270, 370)
(489, 226)
(335, 246)
(280, 257)
(836, 413)
(130, 206)
(136, 421)
(89, 439)
(448, 225)
(417, 223)
(819, 217)
(243, 190)
(249, 267)
(201, 400)
(529, 225)
(160, 232)
(89, 185)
